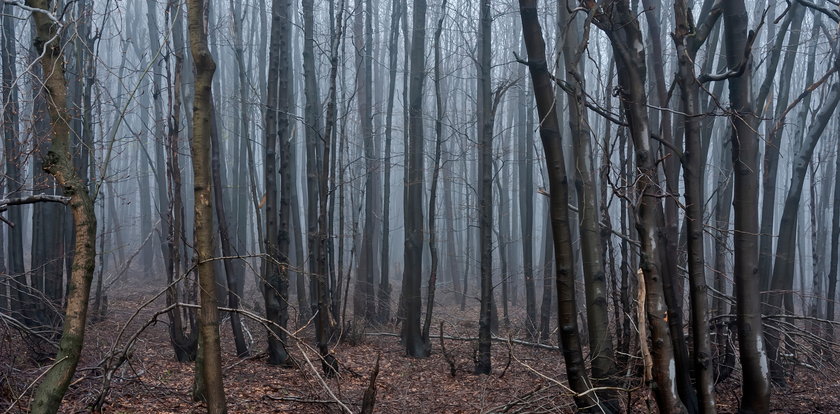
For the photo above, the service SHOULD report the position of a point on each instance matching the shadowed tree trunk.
(692, 163)
(414, 186)
(559, 204)
(625, 36)
(314, 129)
(277, 229)
(755, 386)
(484, 135)
(600, 343)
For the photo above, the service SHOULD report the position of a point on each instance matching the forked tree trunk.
(625, 36)
(756, 385)
(600, 343)
(692, 162)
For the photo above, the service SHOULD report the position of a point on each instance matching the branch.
(832, 14)
(739, 70)
(35, 198)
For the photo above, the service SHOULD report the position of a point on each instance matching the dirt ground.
(525, 379)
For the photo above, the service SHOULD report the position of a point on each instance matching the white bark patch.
(672, 374)
(762, 356)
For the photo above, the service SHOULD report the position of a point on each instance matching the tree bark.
(755, 386)
(209, 361)
(559, 208)
(692, 162)
(414, 186)
(625, 37)
(58, 163)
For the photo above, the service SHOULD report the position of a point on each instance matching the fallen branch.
(471, 339)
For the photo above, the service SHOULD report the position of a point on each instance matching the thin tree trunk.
(432, 283)
(559, 208)
(414, 186)
(209, 360)
(692, 176)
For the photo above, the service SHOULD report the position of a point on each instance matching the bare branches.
(832, 14)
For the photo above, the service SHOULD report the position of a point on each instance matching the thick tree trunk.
(756, 386)
(625, 37)
(277, 229)
(484, 135)
(58, 162)
(364, 304)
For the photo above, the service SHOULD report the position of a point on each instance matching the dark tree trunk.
(756, 386)
(692, 162)
(559, 208)
(625, 37)
(414, 186)
(276, 231)
(484, 135)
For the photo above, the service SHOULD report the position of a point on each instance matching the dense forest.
(433, 206)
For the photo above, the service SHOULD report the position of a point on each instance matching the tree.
(276, 129)
(755, 386)
(597, 318)
(692, 164)
(209, 360)
(413, 211)
(58, 163)
(485, 186)
(622, 29)
(559, 204)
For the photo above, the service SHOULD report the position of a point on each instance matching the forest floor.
(525, 379)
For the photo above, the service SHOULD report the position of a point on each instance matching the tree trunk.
(209, 361)
(559, 208)
(414, 186)
(601, 348)
(432, 284)
(692, 162)
(13, 179)
(58, 163)
(625, 37)
(783, 270)
(484, 135)
(276, 233)
(756, 386)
